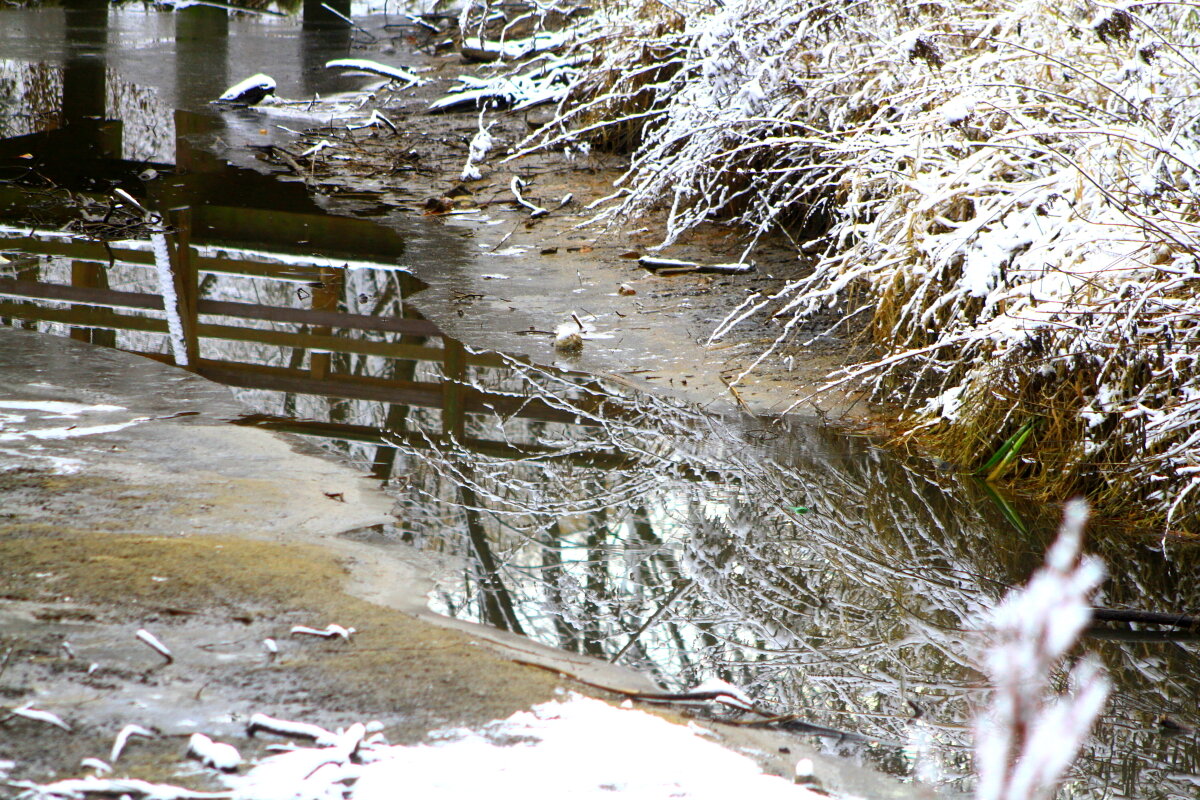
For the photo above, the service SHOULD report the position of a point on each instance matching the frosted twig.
(515, 186)
(29, 712)
(283, 727)
(328, 632)
(123, 737)
(150, 640)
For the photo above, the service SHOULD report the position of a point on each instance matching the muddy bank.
(130, 504)
(209, 536)
(213, 602)
(518, 276)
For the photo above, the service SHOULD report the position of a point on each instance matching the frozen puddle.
(54, 408)
(46, 420)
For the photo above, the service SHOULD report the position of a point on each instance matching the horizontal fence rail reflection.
(93, 311)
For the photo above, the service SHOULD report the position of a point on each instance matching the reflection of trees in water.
(30, 97)
(673, 541)
(845, 613)
(148, 124)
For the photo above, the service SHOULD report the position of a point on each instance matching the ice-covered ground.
(574, 747)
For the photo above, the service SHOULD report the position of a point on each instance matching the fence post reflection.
(454, 369)
(185, 279)
(326, 294)
(90, 275)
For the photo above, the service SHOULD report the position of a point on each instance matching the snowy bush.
(1006, 189)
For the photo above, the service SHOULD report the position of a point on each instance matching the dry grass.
(1008, 191)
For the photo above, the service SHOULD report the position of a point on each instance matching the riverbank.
(998, 296)
(132, 506)
(1001, 195)
(534, 272)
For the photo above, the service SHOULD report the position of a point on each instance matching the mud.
(213, 601)
(529, 274)
(215, 538)
(209, 536)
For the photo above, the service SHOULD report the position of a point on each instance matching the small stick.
(377, 115)
(130, 200)
(348, 21)
(96, 765)
(535, 210)
(123, 738)
(29, 712)
(736, 395)
(288, 159)
(283, 727)
(331, 630)
(151, 641)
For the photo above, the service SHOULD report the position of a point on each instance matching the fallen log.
(674, 266)
(375, 68)
(1145, 617)
(475, 48)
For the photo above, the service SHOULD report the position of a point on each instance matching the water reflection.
(826, 576)
(84, 59)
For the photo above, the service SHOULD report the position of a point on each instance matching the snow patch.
(577, 748)
(57, 408)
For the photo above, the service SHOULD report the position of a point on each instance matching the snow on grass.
(577, 748)
(1007, 189)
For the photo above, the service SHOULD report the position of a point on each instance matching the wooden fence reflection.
(218, 221)
(90, 309)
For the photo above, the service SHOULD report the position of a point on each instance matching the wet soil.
(530, 274)
(213, 601)
(215, 538)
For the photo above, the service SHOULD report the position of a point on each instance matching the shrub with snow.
(1006, 189)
